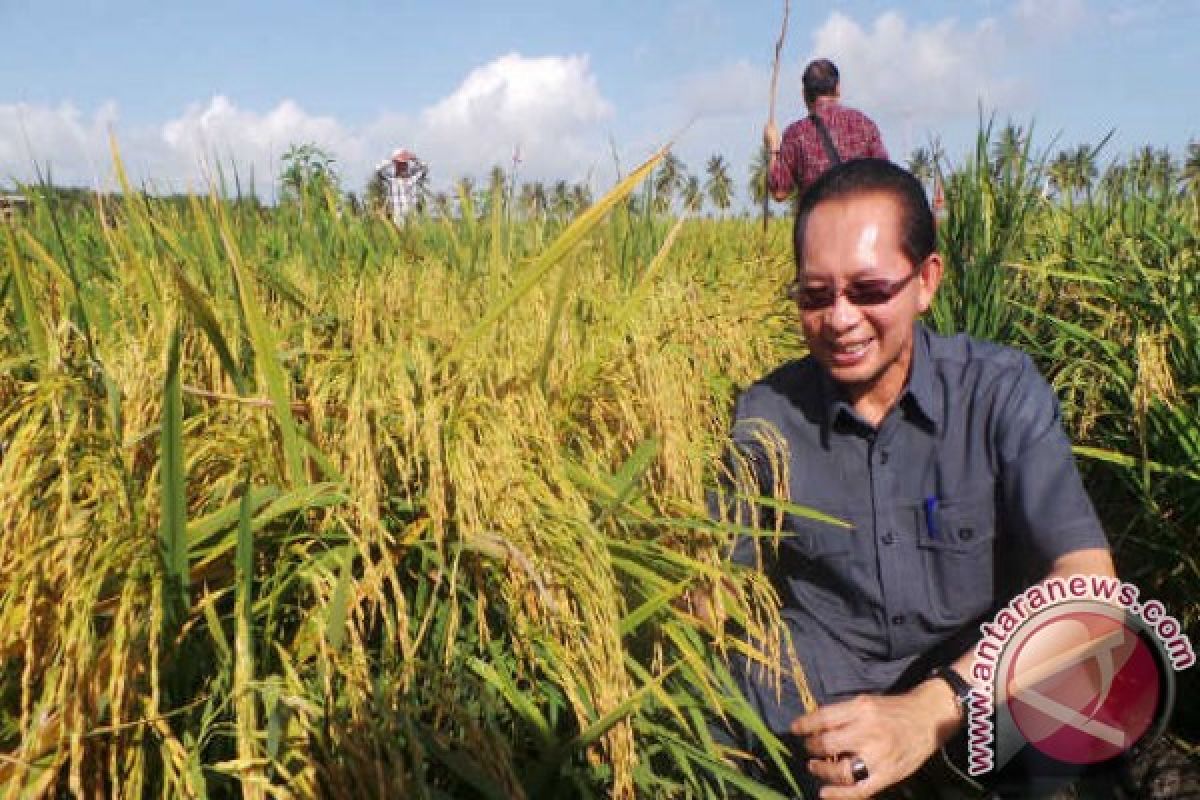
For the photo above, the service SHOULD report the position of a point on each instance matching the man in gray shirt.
(945, 455)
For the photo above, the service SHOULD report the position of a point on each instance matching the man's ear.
(929, 279)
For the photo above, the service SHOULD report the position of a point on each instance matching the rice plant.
(297, 503)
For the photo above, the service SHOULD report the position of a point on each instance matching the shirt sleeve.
(780, 177)
(875, 148)
(1043, 497)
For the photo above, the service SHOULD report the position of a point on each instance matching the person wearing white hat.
(402, 176)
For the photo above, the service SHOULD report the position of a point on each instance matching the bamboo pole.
(771, 113)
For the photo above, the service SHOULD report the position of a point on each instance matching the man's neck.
(822, 102)
(871, 405)
(873, 402)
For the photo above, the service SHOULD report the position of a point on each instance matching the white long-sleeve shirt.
(401, 190)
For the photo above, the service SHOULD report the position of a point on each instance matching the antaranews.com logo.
(1077, 667)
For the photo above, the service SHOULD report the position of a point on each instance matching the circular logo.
(1086, 683)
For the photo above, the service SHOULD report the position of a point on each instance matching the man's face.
(854, 242)
(402, 168)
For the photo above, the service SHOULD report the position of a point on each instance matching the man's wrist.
(948, 693)
(957, 683)
(960, 689)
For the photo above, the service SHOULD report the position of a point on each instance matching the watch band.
(958, 684)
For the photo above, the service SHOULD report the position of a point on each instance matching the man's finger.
(829, 743)
(855, 792)
(838, 779)
(829, 771)
(827, 717)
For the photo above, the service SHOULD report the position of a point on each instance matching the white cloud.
(257, 136)
(927, 73)
(734, 88)
(174, 156)
(1050, 17)
(550, 107)
(221, 131)
(62, 138)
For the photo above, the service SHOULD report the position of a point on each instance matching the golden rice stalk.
(266, 358)
(1154, 378)
(564, 244)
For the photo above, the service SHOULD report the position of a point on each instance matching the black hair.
(820, 79)
(860, 176)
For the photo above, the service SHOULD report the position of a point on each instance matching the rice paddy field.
(295, 503)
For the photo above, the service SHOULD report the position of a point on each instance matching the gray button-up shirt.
(965, 493)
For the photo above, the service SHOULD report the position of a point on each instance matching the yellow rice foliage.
(498, 474)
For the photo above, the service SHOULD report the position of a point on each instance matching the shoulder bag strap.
(826, 140)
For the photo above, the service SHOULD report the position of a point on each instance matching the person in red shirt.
(801, 156)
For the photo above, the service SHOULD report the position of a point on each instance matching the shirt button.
(889, 538)
(898, 619)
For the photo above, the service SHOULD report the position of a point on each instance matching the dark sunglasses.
(860, 293)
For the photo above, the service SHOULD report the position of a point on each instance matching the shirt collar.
(824, 102)
(920, 392)
(921, 385)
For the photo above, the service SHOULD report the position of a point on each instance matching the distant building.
(10, 204)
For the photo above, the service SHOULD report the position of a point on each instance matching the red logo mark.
(1083, 687)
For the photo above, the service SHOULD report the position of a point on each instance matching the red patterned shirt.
(802, 157)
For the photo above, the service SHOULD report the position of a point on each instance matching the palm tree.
(541, 198)
(581, 197)
(719, 186)
(667, 181)
(1083, 167)
(1060, 173)
(1189, 176)
(1168, 173)
(1008, 149)
(758, 176)
(693, 195)
(497, 184)
(1115, 179)
(920, 164)
(561, 198)
(1151, 169)
(533, 199)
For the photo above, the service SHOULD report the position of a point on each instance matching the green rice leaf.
(172, 529)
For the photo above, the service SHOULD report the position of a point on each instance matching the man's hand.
(893, 735)
(771, 138)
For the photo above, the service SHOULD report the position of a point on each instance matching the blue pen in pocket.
(931, 527)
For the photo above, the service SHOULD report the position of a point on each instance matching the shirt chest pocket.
(956, 540)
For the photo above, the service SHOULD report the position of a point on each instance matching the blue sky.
(569, 84)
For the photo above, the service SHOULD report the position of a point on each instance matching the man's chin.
(851, 376)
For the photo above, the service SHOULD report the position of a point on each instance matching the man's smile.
(848, 353)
